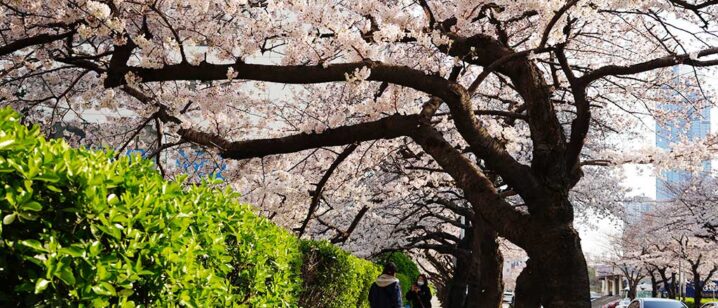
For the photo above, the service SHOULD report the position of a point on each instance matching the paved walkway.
(604, 300)
(595, 304)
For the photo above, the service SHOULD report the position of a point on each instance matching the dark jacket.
(425, 295)
(420, 298)
(414, 299)
(385, 292)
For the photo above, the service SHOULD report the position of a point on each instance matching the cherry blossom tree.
(629, 257)
(689, 219)
(670, 235)
(510, 101)
(693, 207)
(701, 257)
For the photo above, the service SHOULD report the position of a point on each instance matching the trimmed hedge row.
(81, 228)
(334, 278)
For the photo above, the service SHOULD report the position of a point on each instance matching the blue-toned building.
(696, 124)
(634, 210)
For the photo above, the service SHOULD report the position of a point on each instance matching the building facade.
(689, 123)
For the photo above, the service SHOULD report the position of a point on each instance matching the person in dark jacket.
(424, 291)
(413, 297)
(385, 292)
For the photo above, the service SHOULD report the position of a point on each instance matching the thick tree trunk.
(456, 295)
(632, 292)
(557, 269)
(667, 283)
(486, 287)
(546, 233)
(481, 273)
(528, 288)
(654, 283)
(698, 287)
(561, 266)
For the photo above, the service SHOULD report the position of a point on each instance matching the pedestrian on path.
(413, 297)
(424, 291)
(385, 292)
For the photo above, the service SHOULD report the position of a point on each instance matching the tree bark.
(456, 297)
(547, 234)
(478, 279)
(528, 288)
(654, 283)
(457, 286)
(697, 286)
(632, 291)
(562, 267)
(667, 284)
(486, 289)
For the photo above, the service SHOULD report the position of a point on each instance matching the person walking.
(385, 292)
(424, 291)
(413, 297)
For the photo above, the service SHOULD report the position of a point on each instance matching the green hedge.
(334, 278)
(81, 228)
(691, 301)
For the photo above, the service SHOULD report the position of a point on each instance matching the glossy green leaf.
(65, 274)
(4, 143)
(33, 244)
(9, 218)
(73, 251)
(41, 285)
(104, 288)
(31, 206)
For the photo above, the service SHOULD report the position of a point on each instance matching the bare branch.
(322, 182)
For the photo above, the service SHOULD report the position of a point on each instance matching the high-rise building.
(694, 123)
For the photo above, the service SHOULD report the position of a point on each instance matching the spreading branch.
(316, 194)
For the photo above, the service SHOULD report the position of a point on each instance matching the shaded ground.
(604, 300)
(595, 304)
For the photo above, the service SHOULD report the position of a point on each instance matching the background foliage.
(334, 278)
(81, 228)
(407, 271)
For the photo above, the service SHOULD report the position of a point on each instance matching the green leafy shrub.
(83, 229)
(333, 277)
(404, 264)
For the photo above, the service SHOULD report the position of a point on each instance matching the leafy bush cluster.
(81, 228)
(404, 264)
(334, 278)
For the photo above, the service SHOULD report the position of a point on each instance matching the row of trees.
(343, 117)
(675, 238)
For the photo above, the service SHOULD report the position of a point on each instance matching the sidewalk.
(599, 303)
